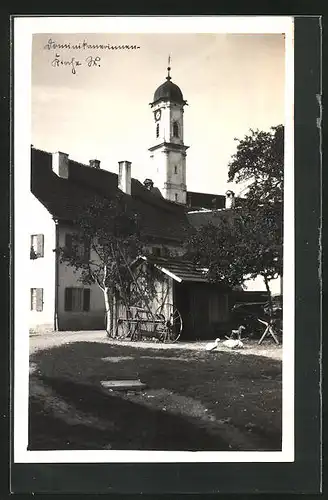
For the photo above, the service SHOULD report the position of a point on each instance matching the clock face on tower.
(158, 115)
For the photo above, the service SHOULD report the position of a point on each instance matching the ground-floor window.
(37, 299)
(77, 299)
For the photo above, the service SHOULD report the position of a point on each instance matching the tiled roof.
(179, 269)
(205, 200)
(200, 218)
(196, 201)
(63, 198)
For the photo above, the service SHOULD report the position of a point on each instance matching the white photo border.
(24, 28)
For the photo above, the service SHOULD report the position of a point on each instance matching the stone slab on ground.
(121, 385)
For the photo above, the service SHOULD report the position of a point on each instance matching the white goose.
(212, 345)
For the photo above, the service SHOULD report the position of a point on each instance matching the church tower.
(168, 152)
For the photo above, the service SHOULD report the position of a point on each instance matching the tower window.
(175, 129)
(175, 169)
(176, 196)
(157, 130)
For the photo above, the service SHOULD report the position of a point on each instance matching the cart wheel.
(172, 322)
(123, 325)
(160, 328)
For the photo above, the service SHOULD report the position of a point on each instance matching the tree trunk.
(108, 309)
(266, 282)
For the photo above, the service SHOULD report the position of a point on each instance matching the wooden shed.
(204, 307)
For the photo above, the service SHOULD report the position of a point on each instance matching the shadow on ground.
(193, 400)
(130, 425)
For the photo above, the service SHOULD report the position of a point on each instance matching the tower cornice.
(169, 145)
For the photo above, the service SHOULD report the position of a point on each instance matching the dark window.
(69, 242)
(175, 169)
(156, 251)
(37, 299)
(165, 252)
(175, 129)
(77, 299)
(157, 130)
(86, 299)
(160, 251)
(77, 248)
(176, 197)
(37, 246)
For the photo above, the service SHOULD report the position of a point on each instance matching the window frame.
(80, 250)
(85, 300)
(176, 129)
(37, 248)
(37, 300)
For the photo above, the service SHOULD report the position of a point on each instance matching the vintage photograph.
(154, 280)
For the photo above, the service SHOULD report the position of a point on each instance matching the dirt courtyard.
(192, 399)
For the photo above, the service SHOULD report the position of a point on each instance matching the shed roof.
(179, 269)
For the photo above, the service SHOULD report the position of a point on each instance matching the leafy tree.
(246, 242)
(259, 163)
(239, 245)
(105, 239)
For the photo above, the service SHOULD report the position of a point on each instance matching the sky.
(232, 82)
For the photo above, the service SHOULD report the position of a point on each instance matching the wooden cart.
(140, 319)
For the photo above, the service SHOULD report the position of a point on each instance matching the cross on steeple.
(169, 68)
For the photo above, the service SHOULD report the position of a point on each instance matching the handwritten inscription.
(90, 61)
(52, 45)
(73, 63)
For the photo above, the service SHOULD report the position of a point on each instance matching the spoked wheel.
(171, 329)
(123, 325)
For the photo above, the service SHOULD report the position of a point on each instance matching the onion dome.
(169, 91)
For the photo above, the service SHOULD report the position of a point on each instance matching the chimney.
(124, 176)
(94, 163)
(148, 183)
(60, 164)
(230, 199)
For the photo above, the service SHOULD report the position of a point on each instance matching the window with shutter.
(33, 299)
(79, 249)
(156, 251)
(77, 299)
(165, 252)
(37, 299)
(86, 299)
(86, 251)
(37, 246)
(68, 242)
(68, 299)
(40, 245)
